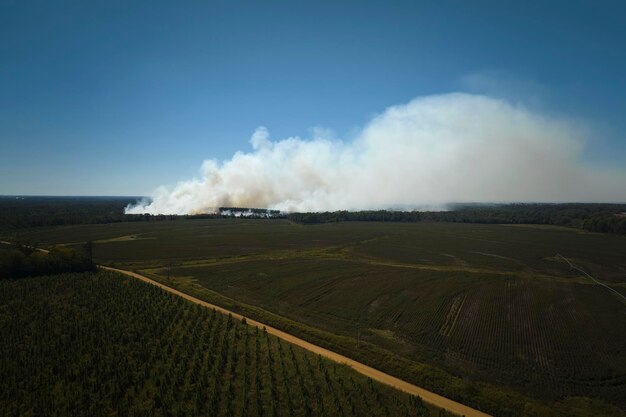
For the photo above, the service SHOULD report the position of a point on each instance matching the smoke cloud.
(434, 150)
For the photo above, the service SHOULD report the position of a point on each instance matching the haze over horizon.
(368, 104)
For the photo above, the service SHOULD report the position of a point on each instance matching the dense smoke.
(431, 151)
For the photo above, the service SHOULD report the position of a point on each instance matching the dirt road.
(375, 374)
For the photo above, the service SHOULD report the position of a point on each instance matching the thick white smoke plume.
(431, 151)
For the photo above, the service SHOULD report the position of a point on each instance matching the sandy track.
(375, 374)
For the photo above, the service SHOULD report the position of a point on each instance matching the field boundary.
(579, 269)
(375, 374)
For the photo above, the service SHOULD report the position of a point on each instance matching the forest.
(18, 213)
(605, 218)
(23, 260)
(101, 344)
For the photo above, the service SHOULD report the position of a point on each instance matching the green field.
(486, 314)
(101, 344)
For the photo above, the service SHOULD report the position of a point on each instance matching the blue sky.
(117, 98)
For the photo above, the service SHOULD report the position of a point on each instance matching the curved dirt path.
(579, 269)
(375, 374)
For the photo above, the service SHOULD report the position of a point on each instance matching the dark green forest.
(23, 212)
(18, 213)
(102, 344)
(23, 260)
(606, 218)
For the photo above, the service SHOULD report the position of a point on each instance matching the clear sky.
(119, 97)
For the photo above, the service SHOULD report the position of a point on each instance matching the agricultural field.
(102, 344)
(490, 315)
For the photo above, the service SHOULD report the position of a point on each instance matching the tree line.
(26, 212)
(23, 260)
(607, 218)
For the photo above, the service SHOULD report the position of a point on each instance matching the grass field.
(487, 304)
(101, 344)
